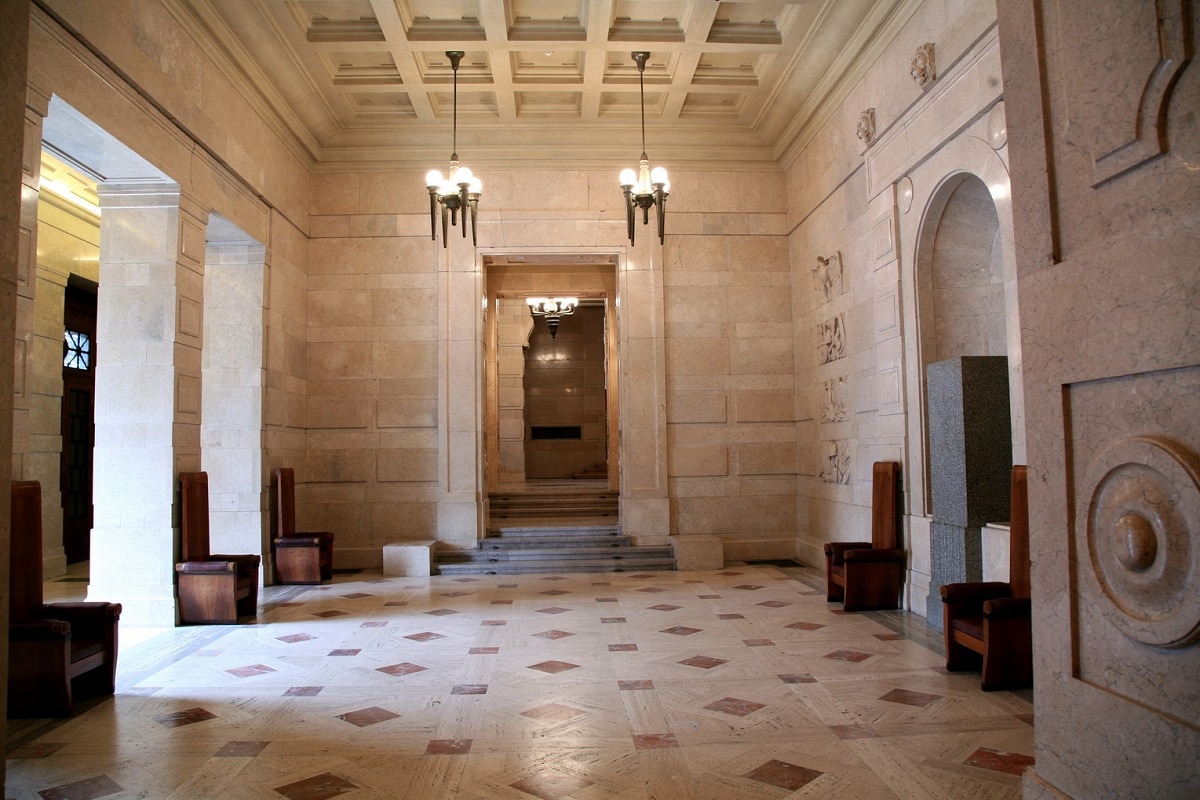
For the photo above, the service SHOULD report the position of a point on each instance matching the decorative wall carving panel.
(833, 400)
(831, 339)
(835, 461)
(827, 275)
(866, 126)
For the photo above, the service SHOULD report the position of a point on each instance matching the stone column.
(231, 433)
(460, 400)
(970, 459)
(149, 331)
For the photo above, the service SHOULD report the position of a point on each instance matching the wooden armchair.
(865, 575)
(990, 621)
(213, 588)
(56, 648)
(299, 557)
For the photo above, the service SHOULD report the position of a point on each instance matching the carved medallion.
(1142, 498)
(866, 127)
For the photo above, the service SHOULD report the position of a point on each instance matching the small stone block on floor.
(698, 552)
(409, 558)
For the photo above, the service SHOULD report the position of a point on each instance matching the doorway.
(78, 425)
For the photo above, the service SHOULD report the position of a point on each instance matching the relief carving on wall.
(831, 339)
(833, 400)
(835, 461)
(827, 275)
(866, 126)
(922, 67)
(1142, 498)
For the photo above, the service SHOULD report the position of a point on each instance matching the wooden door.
(78, 425)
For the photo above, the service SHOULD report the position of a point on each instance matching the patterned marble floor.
(742, 683)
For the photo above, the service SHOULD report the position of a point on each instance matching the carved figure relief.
(835, 462)
(827, 275)
(833, 400)
(922, 67)
(831, 339)
(866, 126)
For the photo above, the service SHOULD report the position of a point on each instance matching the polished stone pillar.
(148, 400)
(970, 458)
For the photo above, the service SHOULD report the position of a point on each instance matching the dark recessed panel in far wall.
(555, 432)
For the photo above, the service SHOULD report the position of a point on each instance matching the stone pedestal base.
(955, 557)
(409, 559)
(699, 552)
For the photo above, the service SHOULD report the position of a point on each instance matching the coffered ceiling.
(545, 82)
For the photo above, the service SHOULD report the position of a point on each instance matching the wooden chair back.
(1018, 550)
(193, 517)
(885, 505)
(25, 552)
(285, 502)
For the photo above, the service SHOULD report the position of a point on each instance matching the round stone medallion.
(1142, 499)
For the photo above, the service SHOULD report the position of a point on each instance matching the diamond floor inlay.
(742, 684)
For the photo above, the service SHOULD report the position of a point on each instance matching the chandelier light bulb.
(628, 177)
(434, 179)
(658, 175)
(464, 175)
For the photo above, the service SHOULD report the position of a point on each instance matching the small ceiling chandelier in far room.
(645, 187)
(460, 189)
(553, 309)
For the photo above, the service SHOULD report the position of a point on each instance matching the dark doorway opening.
(78, 417)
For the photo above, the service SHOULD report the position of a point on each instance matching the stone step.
(566, 543)
(557, 567)
(613, 553)
(566, 532)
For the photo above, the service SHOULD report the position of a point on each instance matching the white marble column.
(232, 396)
(148, 379)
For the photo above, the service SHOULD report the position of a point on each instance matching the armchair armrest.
(90, 618)
(39, 630)
(871, 554)
(837, 550)
(205, 567)
(974, 593)
(247, 563)
(298, 540)
(1007, 608)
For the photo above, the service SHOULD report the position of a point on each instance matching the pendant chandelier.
(459, 190)
(645, 187)
(553, 309)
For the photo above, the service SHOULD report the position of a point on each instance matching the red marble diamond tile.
(729, 574)
(290, 604)
(680, 630)
(1026, 718)
(318, 787)
(798, 678)
(910, 698)
(483, 651)
(731, 616)
(393, 603)
(448, 747)
(427, 636)
(466, 580)
(622, 648)
(453, 594)
(784, 775)
(441, 612)
(612, 620)
(634, 686)
(554, 592)
(37, 750)
(345, 651)
(749, 587)
(554, 578)
(734, 706)
(888, 637)
(709, 596)
(999, 761)
(357, 595)
(292, 638)
(176, 719)
(250, 670)
(839, 611)
(367, 716)
(664, 607)
(703, 662)
(650, 590)
(601, 583)
(502, 602)
(853, 656)
(87, 789)
(329, 614)
(805, 626)
(758, 643)
(493, 623)
(654, 741)
(554, 635)
(241, 749)
(553, 667)
(554, 712)
(606, 599)
(854, 732)
(553, 610)
(403, 668)
(469, 688)
(812, 593)
(551, 784)
(373, 624)
(303, 691)
(507, 586)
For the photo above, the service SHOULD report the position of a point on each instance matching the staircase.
(555, 526)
